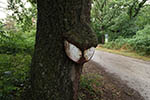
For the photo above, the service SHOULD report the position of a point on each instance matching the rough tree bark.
(53, 75)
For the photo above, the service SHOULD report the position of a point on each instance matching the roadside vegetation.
(126, 22)
(17, 39)
(16, 49)
(124, 52)
(139, 43)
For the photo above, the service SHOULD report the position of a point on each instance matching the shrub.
(139, 43)
(13, 72)
(17, 43)
(116, 44)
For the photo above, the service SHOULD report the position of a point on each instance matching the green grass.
(89, 87)
(125, 53)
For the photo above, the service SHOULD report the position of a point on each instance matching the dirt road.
(136, 73)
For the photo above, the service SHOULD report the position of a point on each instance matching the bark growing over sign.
(53, 75)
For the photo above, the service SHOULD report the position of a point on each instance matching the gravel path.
(136, 73)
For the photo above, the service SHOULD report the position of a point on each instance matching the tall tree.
(53, 75)
(116, 17)
(23, 15)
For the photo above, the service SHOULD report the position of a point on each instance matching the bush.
(16, 48)
(139, 43)
(17, 43)
(116, 44)
(13, 73)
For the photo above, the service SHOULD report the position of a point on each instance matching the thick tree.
(53, 75)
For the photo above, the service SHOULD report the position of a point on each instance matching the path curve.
(136, 73)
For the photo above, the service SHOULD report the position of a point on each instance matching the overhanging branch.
(139, 7)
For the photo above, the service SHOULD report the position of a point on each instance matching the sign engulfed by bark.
(77, 55)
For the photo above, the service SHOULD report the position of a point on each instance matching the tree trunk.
(103, 39)
(53, 75)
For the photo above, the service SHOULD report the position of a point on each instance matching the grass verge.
(125, 53)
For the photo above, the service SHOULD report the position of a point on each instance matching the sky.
(3, 6)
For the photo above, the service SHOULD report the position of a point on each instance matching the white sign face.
(76, 55)
(88, 54)
(106, 38)
(72, 52)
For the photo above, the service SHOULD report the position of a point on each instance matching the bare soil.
(110, 88)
